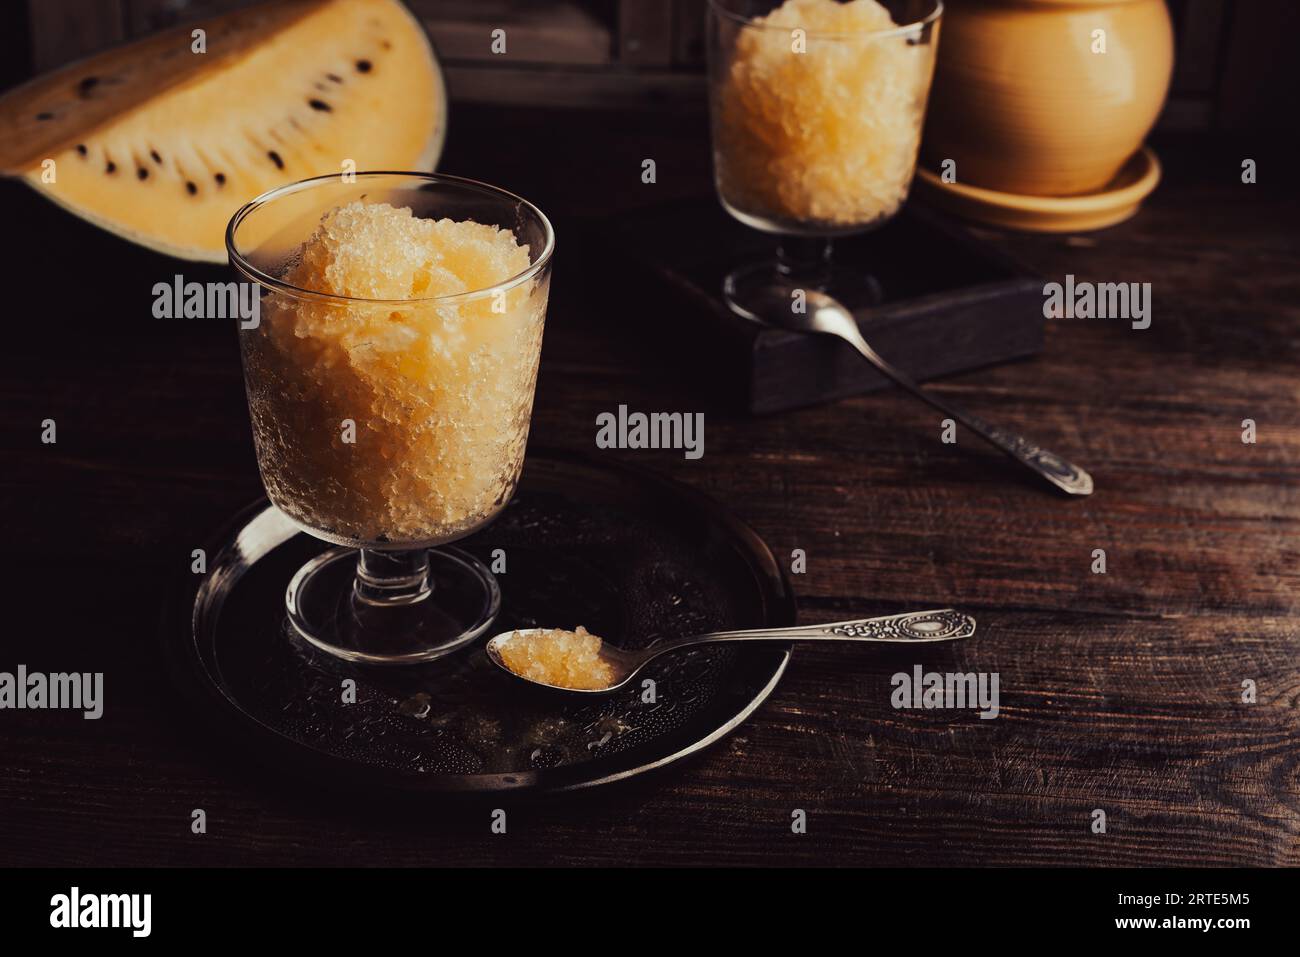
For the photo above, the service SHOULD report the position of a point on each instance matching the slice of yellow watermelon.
(161, 144)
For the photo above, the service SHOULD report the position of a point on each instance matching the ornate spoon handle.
(941, 624)
(1064, 475)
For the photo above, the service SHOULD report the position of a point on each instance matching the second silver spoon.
(825, 315)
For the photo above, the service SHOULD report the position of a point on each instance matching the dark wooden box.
(951, 303)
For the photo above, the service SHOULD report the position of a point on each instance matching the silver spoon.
(826, 316)
(943, 624)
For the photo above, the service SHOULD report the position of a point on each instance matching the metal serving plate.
(630, 556)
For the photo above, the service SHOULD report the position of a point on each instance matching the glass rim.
(895, 31)
(252, 272)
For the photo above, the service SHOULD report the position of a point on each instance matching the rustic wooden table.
(1119, 691)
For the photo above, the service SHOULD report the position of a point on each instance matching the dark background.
(1235, 62)
(1119, 692)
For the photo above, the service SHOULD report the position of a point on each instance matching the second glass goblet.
(816, 110)
(390, 385)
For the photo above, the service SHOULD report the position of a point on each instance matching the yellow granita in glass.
(822, 127)
(564, 659)
(404, 420)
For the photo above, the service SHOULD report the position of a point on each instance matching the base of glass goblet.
(748, 289)
(327, 611)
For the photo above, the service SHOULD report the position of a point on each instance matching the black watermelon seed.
(220, 178)
(45, 116)
(156, 157)
(320, 106)
(190, 187)
(110, 167)
(81, 148)
(141, 173)
(335, 77)
(364, 66)
(275, 158)
(86, 85)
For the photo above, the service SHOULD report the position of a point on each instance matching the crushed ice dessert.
(826, 134)
(564, 659)
(395, 415)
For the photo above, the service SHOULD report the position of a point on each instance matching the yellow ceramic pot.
(1046, 97)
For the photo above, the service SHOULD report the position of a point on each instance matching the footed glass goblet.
(816, 109)
(390, 383)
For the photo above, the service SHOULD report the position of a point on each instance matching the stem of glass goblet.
(392, 578)
(804, 261)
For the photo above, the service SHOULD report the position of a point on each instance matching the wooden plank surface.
(645, 33)
(553, 33)
(66, 30)
(1119, 692)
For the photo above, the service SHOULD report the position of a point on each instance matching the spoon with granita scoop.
(580, 661)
